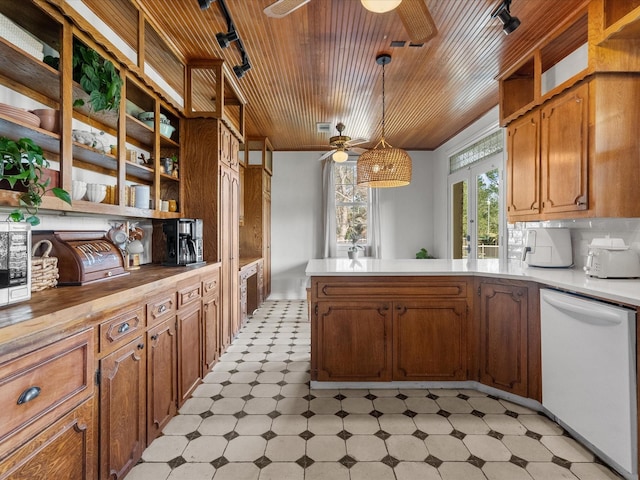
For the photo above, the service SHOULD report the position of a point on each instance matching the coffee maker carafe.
(184, 241)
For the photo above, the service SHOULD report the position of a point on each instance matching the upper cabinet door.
(564, 153)
(523, 164)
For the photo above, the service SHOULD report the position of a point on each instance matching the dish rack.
(44, 269)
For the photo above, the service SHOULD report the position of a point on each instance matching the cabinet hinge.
(478, 290)
(98, 376)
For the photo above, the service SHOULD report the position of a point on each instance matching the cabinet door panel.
(565, 129)
(122, 409)
(430, 340)
(162, 365)
(210, 321)
(353, 341)
(523, 164)
(63, 451)
(189, 351)
(503, 337)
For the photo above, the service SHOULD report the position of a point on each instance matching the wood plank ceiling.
(318, 65)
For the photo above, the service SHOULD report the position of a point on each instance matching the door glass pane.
(460, 234)
(488, 188)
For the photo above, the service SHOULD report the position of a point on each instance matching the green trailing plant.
(97, 76)
(423, 254)
(23, 162)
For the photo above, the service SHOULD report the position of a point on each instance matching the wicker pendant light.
(384, 166)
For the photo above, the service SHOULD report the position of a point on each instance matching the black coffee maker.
(184, 241)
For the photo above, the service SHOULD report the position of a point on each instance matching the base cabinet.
(210, 321)
(505, 337)
(430, 340)
(352, 341)
(63, 451)
(162, 384)
(189, 350)
(122, 409)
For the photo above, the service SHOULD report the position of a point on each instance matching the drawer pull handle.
(29, 394)
(192, 293)
(124, 327)
(154, 337)
(162, 308)
(140, 346)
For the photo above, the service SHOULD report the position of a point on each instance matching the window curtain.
(330, 247)
(374, 222)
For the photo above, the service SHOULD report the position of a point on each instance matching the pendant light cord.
(383, 101)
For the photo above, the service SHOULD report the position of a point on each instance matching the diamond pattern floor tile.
(255, 417)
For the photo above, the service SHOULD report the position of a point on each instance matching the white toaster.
(611, 258)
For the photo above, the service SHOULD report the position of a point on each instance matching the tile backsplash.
(582, 232)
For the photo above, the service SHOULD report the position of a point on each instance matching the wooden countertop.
(56, 312)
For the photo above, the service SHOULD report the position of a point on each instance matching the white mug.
(164, 206)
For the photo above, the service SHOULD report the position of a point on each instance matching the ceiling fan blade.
(326, 154)
(356, 141)
(282, 8)
(417, 20)
(358, 150)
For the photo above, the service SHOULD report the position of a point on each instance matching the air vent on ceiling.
(323, 127)
(416, 45)
(398, 43)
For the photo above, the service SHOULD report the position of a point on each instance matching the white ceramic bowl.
(78, 189)
(166, 130)
(96, 192)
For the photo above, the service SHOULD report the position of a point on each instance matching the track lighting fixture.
(243, 68)
(225, 39)
(502, 12)
(204, 4)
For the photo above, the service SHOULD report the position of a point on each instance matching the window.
(352, 207)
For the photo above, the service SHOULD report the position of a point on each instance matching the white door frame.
(470, 174)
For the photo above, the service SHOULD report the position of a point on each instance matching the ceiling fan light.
(380, 6)
(340, 156)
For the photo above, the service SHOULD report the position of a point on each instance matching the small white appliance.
(611, 258)
(589, 374)
(547, 247)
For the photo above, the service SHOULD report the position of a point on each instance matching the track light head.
(509, 22)
(225, 39)
(240, 70)
(204, 4)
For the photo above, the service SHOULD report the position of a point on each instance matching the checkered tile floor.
(255, 418)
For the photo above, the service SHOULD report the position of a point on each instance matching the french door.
(476, 210)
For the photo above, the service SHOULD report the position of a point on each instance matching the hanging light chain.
(383, 110)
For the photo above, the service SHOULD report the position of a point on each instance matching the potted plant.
(423, 253)
(354, 236)
(97, 77)
(23, 163)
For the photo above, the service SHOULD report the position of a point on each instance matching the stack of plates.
(19, 114)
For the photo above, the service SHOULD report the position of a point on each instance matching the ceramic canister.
(142, 196)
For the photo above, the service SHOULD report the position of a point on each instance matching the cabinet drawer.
(40, 387)
(160, 308)
(120, 329)
(210, 286)
(189, 294)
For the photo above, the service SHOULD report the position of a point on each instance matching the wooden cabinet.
(383, 329)
(547, 161)
(162, 384)
(122, 409)
(189, 338)
(430, 340)
(49, 87)
(65, 450)
(212, 193)
(509, 350)
(351, 341)
(523, 166)
(40, 388)
(210, 320)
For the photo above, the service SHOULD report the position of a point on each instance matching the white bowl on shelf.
(166, 130)
(96, 192)
(78, 189)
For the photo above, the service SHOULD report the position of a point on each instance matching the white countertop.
(575, 280)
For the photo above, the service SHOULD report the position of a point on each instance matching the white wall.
(296, 217)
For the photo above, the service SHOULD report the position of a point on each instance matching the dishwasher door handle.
(593, 314)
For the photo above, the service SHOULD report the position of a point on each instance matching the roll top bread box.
(84, 257)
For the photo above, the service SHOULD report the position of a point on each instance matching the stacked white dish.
(96, 192)
(78, 189)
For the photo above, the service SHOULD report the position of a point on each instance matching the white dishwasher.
(589, 373)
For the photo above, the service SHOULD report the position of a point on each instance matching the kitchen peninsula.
(456, 324)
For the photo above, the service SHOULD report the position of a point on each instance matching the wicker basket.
(44, 269)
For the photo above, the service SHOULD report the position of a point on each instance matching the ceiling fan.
(342, 144)
(414, 15)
